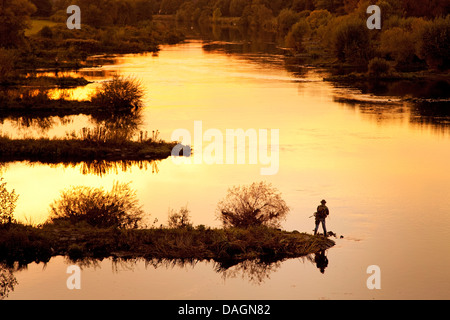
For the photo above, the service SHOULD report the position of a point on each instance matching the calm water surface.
(383, 169)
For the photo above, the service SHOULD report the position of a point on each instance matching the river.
(381, 165)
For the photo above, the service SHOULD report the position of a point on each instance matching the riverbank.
(25, 244)
(76, 150)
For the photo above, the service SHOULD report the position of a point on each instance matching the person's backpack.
(322, 212)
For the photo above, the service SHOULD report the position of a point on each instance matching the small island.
(26, 244)
(91, 223)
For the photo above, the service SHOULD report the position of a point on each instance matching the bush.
(378, 67)
(179, 219)
(8, 201)
(119, 94)
(253, 205)
(117, 208)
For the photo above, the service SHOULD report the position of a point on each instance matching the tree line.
(414, 34)
(108, 26)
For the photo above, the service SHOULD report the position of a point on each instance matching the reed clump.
(88, 148)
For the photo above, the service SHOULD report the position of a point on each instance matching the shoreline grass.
(74, 150)
(25, 244)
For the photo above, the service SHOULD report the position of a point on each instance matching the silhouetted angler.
(321, 214)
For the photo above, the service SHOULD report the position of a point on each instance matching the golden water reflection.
(254, 272)
(382, 166)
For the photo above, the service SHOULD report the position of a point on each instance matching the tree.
(330, 5)
(426, 8)
(398, 43)
(301, 5)
(43, 8)
(143, 9)
(170, 6)
(256, 16)
(179, 219)
(318, 18)
(224, 6)
(14, 19)
(8, 201)
(253, 205)
(216, 14)
(286, 19)
(434, 44)
(8, 58)
(296, 36)
(351, 41)
(237, 7)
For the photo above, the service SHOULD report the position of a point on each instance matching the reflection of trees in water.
(104, 167)
(424, 89)
(425, 103)
(253, 42)
(7, 281)
(256, 271)
(84, 263)
(114, 127)
(3, 167)
(40, 124)
(432, 114)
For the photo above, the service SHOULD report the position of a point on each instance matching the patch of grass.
(81, 241)
(76, 150)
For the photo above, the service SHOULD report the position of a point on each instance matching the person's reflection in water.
(321, 260)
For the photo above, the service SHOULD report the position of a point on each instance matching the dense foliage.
(414, 34)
